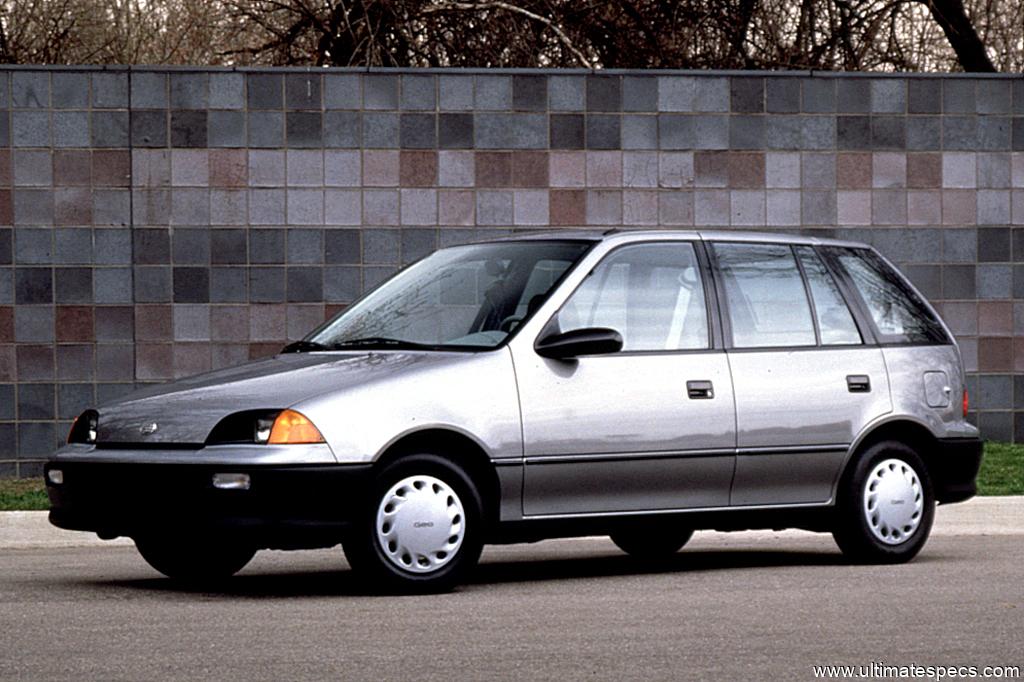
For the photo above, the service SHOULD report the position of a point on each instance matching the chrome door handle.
(700, 390)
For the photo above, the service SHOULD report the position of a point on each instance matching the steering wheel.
(510, 322)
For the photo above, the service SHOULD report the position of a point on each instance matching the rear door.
(805, 381)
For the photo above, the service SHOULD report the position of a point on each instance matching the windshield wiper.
(304, 347)
(380, 342)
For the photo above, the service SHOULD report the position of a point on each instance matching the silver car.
(641, 385)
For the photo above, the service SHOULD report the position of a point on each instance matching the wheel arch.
(907, 431)
(459, 449)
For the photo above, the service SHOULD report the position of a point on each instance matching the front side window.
(899, 314)
(835, 322)
(765, 296)
(464, 296)
(652, 294)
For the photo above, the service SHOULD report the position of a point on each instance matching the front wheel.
(421, 530)
(885, 506)
(193, 558)
(651, 545)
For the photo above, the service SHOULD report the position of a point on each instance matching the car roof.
(630, 235)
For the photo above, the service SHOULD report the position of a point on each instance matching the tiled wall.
(159, 223)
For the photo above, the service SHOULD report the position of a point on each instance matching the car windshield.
(464, 296)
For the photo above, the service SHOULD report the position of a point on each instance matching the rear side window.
(834, 319)
(766, 298)
(899, 314)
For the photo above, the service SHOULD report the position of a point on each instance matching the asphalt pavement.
(730, 606)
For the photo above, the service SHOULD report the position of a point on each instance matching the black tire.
(853, 529)
(365, 546)
(650, 545)
(194, 559)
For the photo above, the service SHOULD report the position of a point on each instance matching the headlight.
(83, 430)
(265, 426)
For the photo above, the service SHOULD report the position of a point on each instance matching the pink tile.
(567, 169)
(854, 207)
(640, 169)
(266, 168)
(343, 168)
(889, 170)
(677, 169)
(456, 169)
(888, 207)
(604, 207)
(1017, 207)
(675, 208)
(380, 168)
(154, 361)
(151, 168)
(530, 206)
(191, 359)
(419, 206)
(639, 207)
(229, 323)
(604, 169)
(711, 207)
(747, 207)
(959, 170)
(1017, 169)
(959, 207)
(189, 168)
(782, 170)
(456, 207)
(924, 207)
(267, 322)
(783, 206)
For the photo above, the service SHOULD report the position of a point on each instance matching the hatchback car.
(641, 385)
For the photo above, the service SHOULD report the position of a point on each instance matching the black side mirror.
(572, 344)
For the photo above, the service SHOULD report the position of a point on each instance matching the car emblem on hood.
(148, 429)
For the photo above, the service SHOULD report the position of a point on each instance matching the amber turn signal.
(291, 427)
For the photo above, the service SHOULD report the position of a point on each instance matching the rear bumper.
(285, 507)
(954, 468)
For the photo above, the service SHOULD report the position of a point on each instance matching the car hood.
(186, 411)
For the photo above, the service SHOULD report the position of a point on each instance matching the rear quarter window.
(897, 313)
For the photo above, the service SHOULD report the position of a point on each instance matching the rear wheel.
(651, 545)
(421, 530)
(192, 558)
(885, 505)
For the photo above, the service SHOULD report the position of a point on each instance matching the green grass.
(1002, 470)
(23, 494)
(1002, 473)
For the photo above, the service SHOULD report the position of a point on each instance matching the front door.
(649, 428)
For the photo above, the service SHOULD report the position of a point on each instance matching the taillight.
(965, 403)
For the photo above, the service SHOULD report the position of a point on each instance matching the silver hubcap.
(893, 501)
(420, 524)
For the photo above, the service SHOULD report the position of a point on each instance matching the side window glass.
(652, 294)
(765, 293)
(834, 319)
(899, 315)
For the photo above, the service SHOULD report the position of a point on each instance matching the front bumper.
(954, 468)
(288, 506)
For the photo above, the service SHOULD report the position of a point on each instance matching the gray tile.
(380, 131)
(7, 402)
(380, 91)
(149, 90)
(6, 245)
(267, 285)
(33, 285)
(229, 285)
(36, 401)
(1018, 134)
(640, 93)
(675, 93)
(566, 131)
(746, 95)
(112, 285)
(33, 246)
(888, 132)
(567, 93)
(819, 96)
(152, 246)
(265, 90)
(853, 132)
(675, 131)
(455, 131)
(70, 90)
(853, 95)
(927, 279)
(342, 284)
(30, 89)
(455, 92)
(493, 92)
(5, 128)
(959, 132)
(6, 285)
(190, 207)
(641, 132)
(30, 128)
(227, 90)
(342, 247)
(416, 243)
(418, 131)
(109, 90)
(994, 244)
(604, 93)
(190, 246)
(188, 129)
(994, 97)
(785, 132)
(818, 207)
(380, 246)
(303, 91)
(32, 168)
(711, 94)
(746, 132)
(191, 284)
(958, 282)
(994, 281)
(419, 93)
(530, 93)
(110, 129)
(266, 129)
(817, 132)
(305, 285)
(115, 362)
(924, 133)
(228, 246)
(604, 131)
(189, 90)
(70, 129)
(33, 207)
(494, 207)
(959, 246)
(73, 245)
(782, 95)
(342, 129)
(994, 392)
(304, 129)
(225, 128)
(73, 399)
(924, 96)
(993, 171)
(266, 246)
(305, 246)
(147, 128)
(958, 96)
(36, 439)
(73, 285)
(888, 96)
(342, 91)
(511, 131)
(993, 133)
(114, 323)
(34, 324)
